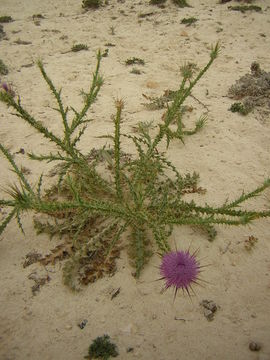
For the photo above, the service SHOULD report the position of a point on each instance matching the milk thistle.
(105, 197)
(180, 269)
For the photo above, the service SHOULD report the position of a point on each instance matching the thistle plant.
(106, 199)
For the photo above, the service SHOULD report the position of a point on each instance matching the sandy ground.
(231, 154)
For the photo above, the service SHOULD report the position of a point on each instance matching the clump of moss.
(3, 68)
(135, 61)
(102, 348)
(244, 8)
(79, 47)
(5, 19)
(189, 21)
(91, 4)
(240, 108)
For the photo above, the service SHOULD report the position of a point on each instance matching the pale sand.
(231, 154)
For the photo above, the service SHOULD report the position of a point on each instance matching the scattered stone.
(32, 257)
(39, 281)
(21, 151)
(184, 33)
(83, 324)
(210, 308)
(253, 346)
(129, 329)
(115, 293)
(208, 314)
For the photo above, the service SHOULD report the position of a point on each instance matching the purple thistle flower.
(7, 88)
(180, 269)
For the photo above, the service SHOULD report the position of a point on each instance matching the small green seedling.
(5, 19)
(3, 68)
(105, 53)
(157, 2)
(135, 61)
(112, 30)
(189, 21)
(79, 47)
(244, 8)
(136, 71)
(37, 16)
(240, 108)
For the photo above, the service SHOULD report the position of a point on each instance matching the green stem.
(117, 174)
(57, 95)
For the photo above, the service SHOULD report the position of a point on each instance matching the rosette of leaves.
(105, 198)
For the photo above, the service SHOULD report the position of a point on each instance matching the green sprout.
(5, 19)
(134, 61)
(244, 8)
(189, 21)
(3, 68)
(240, 108)
(79, 47)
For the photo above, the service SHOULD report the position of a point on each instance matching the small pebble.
(208, 314)
(82, 324)
(253, 346)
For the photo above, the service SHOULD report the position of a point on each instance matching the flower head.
(180, 269)
(7, 88)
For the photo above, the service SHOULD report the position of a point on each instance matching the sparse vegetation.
(5, 19)
(134, 61)
(136, 71)
(181, 3)
(112, 30)
(79, 47)
(245, 1)
(240, 108)
(157, 2)
(3, 68)
(189, 21)
(37, 17)
(253, 89)
(102, 348)
(106, 193)
(244, 8)
(91, 4)
(250, 242)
